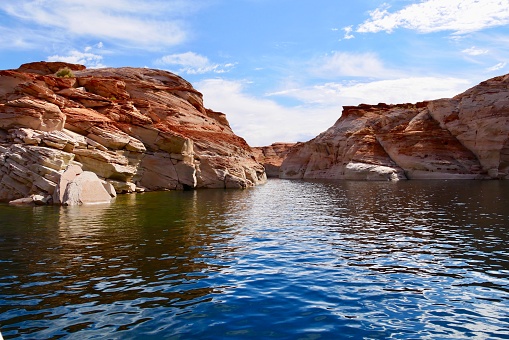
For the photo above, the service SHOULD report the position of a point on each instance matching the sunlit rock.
(85, 188)
(145, 128)
(465, 137)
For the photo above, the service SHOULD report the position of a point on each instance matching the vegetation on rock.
(65, 73)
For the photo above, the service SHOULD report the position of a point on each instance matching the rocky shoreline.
(464, 137)
(92, 134)
(127, 129)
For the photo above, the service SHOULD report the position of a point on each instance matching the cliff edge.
(464, 137)
(136, 129)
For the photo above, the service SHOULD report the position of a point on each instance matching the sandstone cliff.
(465, 137)
(272, 156)
(137, 129)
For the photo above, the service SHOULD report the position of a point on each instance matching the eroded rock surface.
(465, 137)
(138, 128)
(272, 156)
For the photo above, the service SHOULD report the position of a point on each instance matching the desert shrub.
(65, 73)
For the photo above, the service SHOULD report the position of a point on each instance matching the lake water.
(287, 260)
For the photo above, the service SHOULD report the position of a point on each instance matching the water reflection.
(288, 259)
(388, 255)
(77, 264)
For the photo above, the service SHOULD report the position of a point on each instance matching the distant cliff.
(272, 156)
(465, 137)
(136, 129)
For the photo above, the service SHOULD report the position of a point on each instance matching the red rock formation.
(45, 68)
(466, 137)
(138, 128)
(272, 156)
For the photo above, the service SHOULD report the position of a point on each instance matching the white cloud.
(90, 60)
(98, 45)
(152, 24)
(348, 32)
(347, 64)
(394, 91)
(193, 63)
(459, 16)
(263, 121)
(474, 51)
(497, 67)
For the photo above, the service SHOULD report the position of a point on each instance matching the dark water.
(290, 259)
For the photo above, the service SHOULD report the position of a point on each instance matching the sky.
(280, 70)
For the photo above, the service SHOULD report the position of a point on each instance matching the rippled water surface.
(290, 259)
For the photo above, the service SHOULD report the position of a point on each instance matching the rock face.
(137, 129)
(271, 157)
(465, 137)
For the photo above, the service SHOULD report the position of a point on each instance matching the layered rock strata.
(465, 137)
(272, 156)
(136, 129)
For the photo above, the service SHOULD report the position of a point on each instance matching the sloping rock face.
(465, 137)
(137, 129)
(272, 156)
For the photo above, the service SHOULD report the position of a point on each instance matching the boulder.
(22, 201)
(85, 188)
(121, 187)
(370, 172)
(31, 200)
(67, 177)
(110, 189)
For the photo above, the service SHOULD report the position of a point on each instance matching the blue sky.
(280, 69)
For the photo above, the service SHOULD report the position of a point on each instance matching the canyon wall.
(136, 129)
(465, 137)
(272, 156)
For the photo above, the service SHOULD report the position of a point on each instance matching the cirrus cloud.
(474, 51)
(193, 63)
(123, 22)
(497, 67)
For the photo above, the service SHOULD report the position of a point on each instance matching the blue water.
(287, 260)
